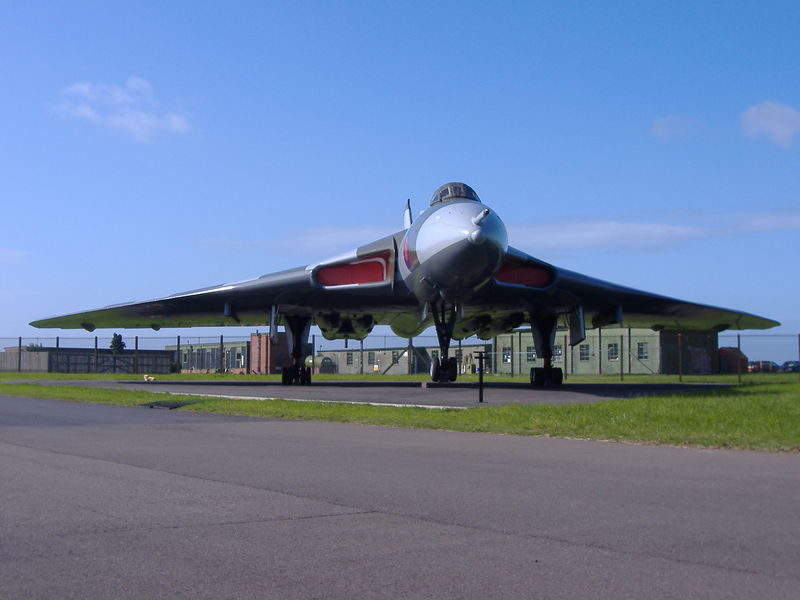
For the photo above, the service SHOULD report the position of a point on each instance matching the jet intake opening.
(524, 274)
(370, 269)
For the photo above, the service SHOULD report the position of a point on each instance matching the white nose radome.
(459, 223)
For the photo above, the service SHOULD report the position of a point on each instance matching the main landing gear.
(544, 334)
(546, 376)
(297, 328)
(444, 369)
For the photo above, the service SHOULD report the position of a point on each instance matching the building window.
(434, 355)
(613, 352)
(395, 355)
(531, 353)
(371, 358)
(557, 353)
(584, 351)
(349, 358)
(641, 351)
(506, 354)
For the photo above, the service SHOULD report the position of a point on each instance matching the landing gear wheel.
(435, 369)
(305, 376)
(546, 376)
(452, 369)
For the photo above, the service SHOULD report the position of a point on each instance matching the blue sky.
(148, 148)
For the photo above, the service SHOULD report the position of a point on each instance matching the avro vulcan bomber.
(450, 268)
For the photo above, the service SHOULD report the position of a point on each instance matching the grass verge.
(756, 417)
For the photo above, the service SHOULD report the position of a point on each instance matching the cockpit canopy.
(454, 191)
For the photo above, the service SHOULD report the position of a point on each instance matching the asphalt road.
(117, 502)
(394, 392)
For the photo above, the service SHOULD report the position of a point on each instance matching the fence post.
(136, 354)
(481, 357)
(58, 354)
(680, 357)
(221, 361)
(599, 351)
(630, 352)
(621, 361)
(94, 370)
(738, 357)
(19, 355)
(178, 357)
(511, 341)
(564, 354)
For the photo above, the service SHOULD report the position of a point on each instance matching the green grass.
(763, 416)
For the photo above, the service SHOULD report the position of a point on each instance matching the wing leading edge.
(605, 303)
(242, 303)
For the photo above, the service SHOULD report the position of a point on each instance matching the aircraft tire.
(305, 376)
(452, 369)
(284, 376)
(556, 376)
(538, 376)
(435, 368)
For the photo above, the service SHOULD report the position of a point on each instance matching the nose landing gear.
(444, 370)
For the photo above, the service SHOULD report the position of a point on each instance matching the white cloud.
(129, 108)
(675, 126)
(318, 241)
(602, 234)
(609, 235)
(11, 256)
(779, 122)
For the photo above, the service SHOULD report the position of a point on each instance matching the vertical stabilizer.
(407, 218)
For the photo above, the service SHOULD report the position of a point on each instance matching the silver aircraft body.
(450, 268)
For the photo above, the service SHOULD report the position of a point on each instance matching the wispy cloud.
(11, 256)
(616, 235)
(321, 241)
(779, 122)
(129, 108)
(602, 234)
(672, 126)
(14, 296)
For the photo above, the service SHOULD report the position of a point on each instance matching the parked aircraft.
(451, 268)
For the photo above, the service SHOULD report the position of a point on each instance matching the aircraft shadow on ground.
(605, 390)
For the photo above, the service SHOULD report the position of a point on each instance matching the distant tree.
(34, 348)
(117, 345)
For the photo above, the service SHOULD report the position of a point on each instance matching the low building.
(54, 359)
(612, 350)
(261, 354)
(399, 360)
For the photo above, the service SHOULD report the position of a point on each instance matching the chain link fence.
(607, 351)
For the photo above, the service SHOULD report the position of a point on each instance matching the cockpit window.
(453, 191)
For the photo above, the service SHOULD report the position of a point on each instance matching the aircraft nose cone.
(488, 229)
(462, 250)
